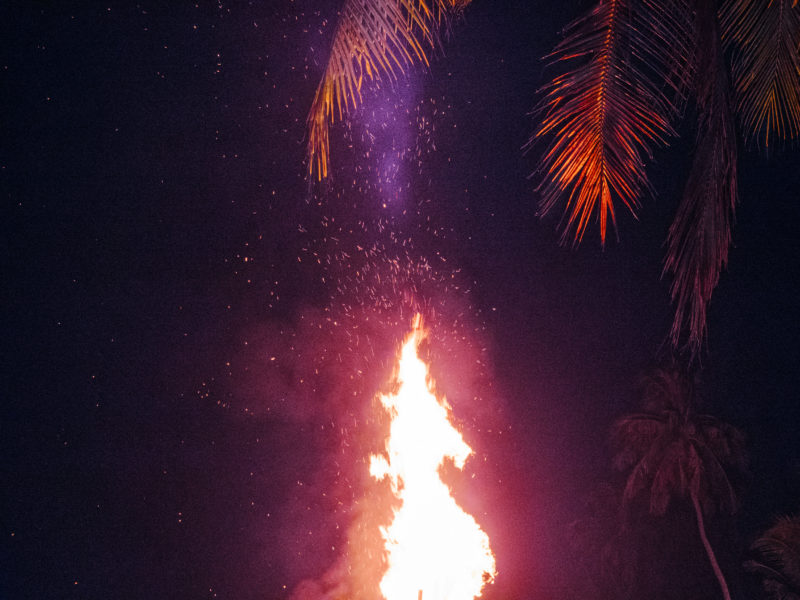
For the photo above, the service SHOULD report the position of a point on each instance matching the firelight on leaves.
(435, 550)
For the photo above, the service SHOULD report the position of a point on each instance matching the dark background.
(161, 249)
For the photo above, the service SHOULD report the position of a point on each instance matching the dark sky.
(195, 333)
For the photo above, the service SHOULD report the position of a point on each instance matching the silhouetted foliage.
(374, 40)
(627, 69)
(670, 451)
(777, 559)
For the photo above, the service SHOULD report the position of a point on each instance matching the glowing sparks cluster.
(435, 550)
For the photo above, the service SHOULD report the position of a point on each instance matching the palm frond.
(631, 437)
(778, 554)
(668, 28)
(700, 235)
(717, 480)
(764, 570)
(670, 477)
(603, 114)
(765, 37)
(726, 442)
(373, 40)
(645, 468)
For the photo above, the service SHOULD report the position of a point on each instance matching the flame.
(434, 549)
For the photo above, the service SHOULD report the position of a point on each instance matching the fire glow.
(434, 549)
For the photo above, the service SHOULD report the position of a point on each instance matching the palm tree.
(777, 559)
(672, 451)
(628, 69)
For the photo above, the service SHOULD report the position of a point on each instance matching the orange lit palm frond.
(765, 36)
(700, 235)
(373, 39)
(604, 113)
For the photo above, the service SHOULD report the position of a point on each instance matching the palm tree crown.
(672, 451)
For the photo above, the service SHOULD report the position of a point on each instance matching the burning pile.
(435, 550)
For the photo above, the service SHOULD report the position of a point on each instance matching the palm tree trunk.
(714, 564)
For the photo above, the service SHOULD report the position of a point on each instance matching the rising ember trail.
(435, 550)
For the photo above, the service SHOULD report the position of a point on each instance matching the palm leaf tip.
(765, 39)
(373, 39)
(318, 134)
(604, 112)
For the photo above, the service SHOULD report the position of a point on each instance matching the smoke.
(319, 373)
(345, 367)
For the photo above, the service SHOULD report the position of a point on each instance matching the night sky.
(195, 332)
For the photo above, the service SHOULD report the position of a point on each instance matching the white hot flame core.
(435, 550)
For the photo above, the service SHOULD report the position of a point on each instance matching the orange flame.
(435, 550)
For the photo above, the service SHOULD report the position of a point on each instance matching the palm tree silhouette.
(672, 451)
(777, 559)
